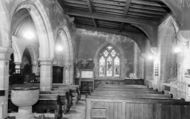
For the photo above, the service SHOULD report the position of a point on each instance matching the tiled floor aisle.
(76, 112)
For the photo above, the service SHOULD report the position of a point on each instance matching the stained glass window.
(109, 47)
(109, 67)
(102, 66)
(109, 62)
(106, 53)
(116, 66)
(113, 53)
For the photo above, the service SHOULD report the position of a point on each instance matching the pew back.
(134, 102)
(99, 108)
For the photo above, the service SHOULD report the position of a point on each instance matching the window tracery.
(109, 62)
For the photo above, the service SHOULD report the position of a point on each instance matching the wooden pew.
(131, 96)
(126, 90)
(51, 102)
(122, 108)
(74, 89)
(68, 95)
(123, 86)
(131, 102)
(100, 82)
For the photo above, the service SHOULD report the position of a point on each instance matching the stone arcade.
(95, 59)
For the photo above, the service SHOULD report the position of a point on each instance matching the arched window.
(109, 62)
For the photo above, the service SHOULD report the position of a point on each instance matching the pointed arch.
(16, 51)
(42, 25)
(5, 25)
(68, 54)
(33, 54)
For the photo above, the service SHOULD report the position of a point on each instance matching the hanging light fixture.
(28, 32)
(177, 49)
(58, 47)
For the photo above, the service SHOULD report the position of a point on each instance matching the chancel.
(94, 59)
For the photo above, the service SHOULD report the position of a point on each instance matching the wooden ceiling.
(120, 16)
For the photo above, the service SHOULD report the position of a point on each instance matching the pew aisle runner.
(77, 111)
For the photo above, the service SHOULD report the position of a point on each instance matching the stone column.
(66, 74)
(45, 75)
(71, 70)
(35, 68)
(135, 60)
(17, 67)
(4, 81)
(141, 67)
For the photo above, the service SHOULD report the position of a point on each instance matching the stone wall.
(90, 42)
(167, 39)
(173, 66)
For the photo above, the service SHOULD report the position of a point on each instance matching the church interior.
(94, 59)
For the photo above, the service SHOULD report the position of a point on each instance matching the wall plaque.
(87, 74)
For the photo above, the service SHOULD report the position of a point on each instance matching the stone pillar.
(4, 81)
(142, 67)
(35, 68)
(71, 74)
(67, 74)
(45, 75)
(17, 67)
(135, 60)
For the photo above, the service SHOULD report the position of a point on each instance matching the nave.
(95, 59)
(113, 101)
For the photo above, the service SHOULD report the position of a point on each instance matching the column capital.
(46, 62)
(35, 63)
(67, 66)
(17, 63)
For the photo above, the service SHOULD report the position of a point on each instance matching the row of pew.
(134, 102)
(57, 101)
